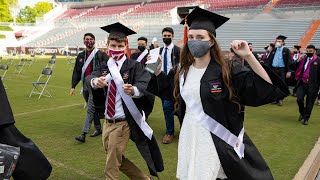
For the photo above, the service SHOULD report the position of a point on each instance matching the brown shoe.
(167, 139)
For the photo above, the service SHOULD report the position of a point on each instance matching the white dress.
(197, 155)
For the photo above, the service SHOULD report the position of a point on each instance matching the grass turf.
(52, 123)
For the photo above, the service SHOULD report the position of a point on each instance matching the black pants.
(281, 72)
(302, 91)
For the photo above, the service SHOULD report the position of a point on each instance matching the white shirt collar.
(120, 62)
(170, 47)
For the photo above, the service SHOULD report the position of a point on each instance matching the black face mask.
(167, 41)
(141, 48)
(309, 54)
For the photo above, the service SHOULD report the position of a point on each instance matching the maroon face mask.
(89, 44)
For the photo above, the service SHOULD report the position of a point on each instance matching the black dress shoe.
(305, 122)
(81, 138)
(300, 118)
(96, 133)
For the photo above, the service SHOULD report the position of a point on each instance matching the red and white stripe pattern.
(111, 99)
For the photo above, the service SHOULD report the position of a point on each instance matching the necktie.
(165, 61)
(306, 65)
(111, 108)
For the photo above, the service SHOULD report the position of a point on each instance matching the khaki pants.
(115, 137)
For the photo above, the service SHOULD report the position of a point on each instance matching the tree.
(5, 15)
(12, 3)
(42, 8)
(27, 15)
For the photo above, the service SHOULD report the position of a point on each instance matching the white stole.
(134, 111)
(211, 124)
(87, 62)
(142, 55)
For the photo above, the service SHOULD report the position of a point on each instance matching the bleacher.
(297, 3)
(316, 40)
(110, 10)
(162, 6)
(228, 4)
(151, 18)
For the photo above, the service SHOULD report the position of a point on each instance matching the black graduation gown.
(251, 90)
(151, 97)
(32, 164)
(134, 73)
(314, 77)
(80, 60)
(286, 55)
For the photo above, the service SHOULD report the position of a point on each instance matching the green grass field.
(52, 123)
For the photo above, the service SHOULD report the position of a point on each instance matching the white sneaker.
(318, 102)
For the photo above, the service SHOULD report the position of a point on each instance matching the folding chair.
(19, 67)
(71, 61)
(51, 63)
(39, 87)
(4, 68)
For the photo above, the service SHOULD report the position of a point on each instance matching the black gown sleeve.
(76, 75)
(6, 115)
(163, 85)
(252, 90)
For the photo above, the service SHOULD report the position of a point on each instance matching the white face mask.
(278, 44)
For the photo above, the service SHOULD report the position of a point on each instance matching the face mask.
(198, 48)
(116, 54)
(89, 44)
(167, 41)
(250, 49)
(278, 44)
(269, 48)
(295, 52)
(309, 55)
(141, 48)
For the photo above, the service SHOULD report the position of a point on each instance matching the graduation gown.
(250, 90)
(32, 164)
(151, 97)
(80, 61)
(286, 55)
(133, 73)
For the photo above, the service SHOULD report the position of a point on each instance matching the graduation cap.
(203, 19)
(281, 37)
(118, 29)
(266, 47)
(297, 47)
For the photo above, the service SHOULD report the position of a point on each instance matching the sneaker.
(81, 138)
(318, 102)
(96, 133)
(280, 103)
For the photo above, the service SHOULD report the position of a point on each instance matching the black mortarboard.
(203, 19)
(281, 37)
(266, 47)
(297, 46)
(118, 29)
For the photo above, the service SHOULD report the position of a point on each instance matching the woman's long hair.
(186, 60)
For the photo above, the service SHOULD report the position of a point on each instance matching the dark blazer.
(286, 55)
(80, 60)
(175, 55)
(251, 90)
(135, 56)
(136, 75)
(32, 164)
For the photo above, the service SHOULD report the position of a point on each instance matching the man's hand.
(72, 92)
(288, 75)
(128, 89)
(100, 82)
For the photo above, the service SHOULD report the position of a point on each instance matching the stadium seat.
(39, 87)
(4, 68)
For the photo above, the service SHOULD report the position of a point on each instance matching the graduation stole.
(142, 55)
(305, 75)
(211, 124)
(139, 118)
(88, 61)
